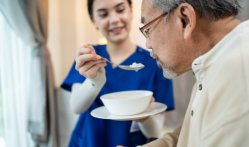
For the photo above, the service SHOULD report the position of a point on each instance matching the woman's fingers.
(82, 59)
(92, 71)
(85, 49)
(144, 119)
(88, 62)
(89, 66)
(152, 99)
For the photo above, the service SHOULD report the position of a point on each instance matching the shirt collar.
(203, 62)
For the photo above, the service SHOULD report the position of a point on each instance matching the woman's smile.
(116, 30)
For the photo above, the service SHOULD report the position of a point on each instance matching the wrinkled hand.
(144, 119)
(88, 63)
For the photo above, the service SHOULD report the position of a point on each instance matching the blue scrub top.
(93, 132)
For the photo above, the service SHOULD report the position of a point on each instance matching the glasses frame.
(145, 30)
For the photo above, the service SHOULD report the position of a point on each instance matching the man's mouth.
(155, 57)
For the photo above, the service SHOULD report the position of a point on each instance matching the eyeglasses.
(146, 29)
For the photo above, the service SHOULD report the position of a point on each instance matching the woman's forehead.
(108, 4)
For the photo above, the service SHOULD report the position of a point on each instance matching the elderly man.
(203, 36)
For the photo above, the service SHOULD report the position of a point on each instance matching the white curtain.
(25, 75)
(15, 57)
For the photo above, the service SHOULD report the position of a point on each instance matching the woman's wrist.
(100, 79)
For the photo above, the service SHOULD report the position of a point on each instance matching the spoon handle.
(109, 61)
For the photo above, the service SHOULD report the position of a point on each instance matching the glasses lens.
(146, 28)
(146, 31)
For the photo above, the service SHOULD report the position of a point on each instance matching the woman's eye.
(120, 10)
(103, 15)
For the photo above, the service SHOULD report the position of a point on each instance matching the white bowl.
(127, 102)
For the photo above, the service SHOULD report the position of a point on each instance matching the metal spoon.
(134, 66)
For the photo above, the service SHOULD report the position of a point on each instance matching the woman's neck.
(118, 52)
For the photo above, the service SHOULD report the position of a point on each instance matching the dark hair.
(90, 7)
(214, 9)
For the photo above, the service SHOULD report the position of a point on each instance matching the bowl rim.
(105, 96)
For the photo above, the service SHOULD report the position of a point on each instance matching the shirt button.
(193, 73)
(192, 113)
(200, 87)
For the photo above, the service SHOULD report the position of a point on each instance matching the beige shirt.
(218, 112)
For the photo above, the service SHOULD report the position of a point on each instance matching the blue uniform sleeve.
(72, 77)
(163, 90)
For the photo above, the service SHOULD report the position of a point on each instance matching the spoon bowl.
(135, 66)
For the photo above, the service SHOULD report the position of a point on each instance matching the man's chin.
(168, 73)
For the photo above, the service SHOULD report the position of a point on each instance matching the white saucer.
(154, 108)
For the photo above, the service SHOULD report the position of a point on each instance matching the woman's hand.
(88, 62)
(144, 119)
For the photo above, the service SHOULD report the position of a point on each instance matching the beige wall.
(70, 27)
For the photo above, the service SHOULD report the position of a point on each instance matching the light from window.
(2, 141)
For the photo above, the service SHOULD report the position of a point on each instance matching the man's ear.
(187, 16)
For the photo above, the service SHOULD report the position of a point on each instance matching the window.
(15, 61)
(2, 141)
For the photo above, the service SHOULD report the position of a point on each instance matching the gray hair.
(214, 9)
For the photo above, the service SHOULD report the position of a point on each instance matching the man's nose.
(148, 43)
